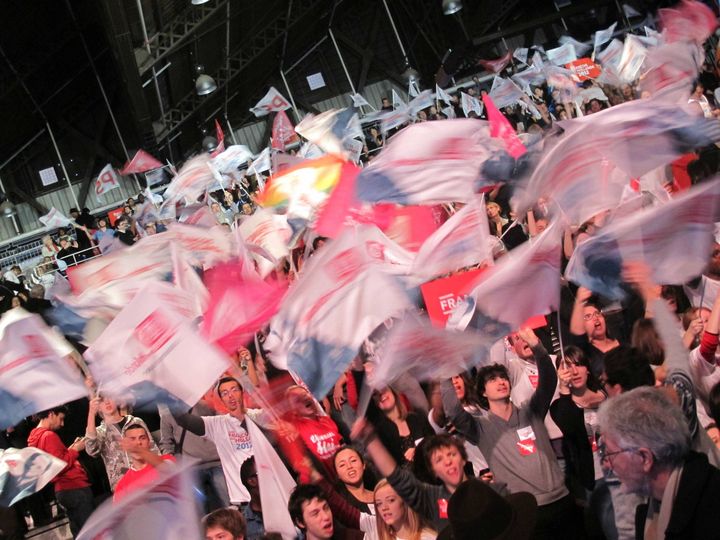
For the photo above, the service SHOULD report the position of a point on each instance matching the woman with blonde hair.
(395, 520)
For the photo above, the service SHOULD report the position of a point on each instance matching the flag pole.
(292, 99)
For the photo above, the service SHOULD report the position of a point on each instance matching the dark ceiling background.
(53, 52)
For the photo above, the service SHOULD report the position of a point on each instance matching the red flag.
(283, 132)
(497, 65)
(500, 128)
(220, 136)
(141, 162)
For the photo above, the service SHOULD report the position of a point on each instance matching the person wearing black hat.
(477, 512)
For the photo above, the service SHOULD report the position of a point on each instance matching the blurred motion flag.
(54, 219)
(501, 128)
(470, 103)
(141, 162)
(331, 130)
(529, 275)
(152, 340)
(498, 64)
(187, 279)
(441, 296)
(269, 232)
(603, 36)
(273, 101)
(397, 101)
(610, 56)
(191, 181)
(580, 48)
(164, 508)
(220, 136)
(283, 132)
(656, 235)
(232, 158)
(34, 373)
(24, 471)
(562, 55)
(106, 180)
(359, 101)
(261, 163)
(504, 92)
(687, 21)
(521, 54)
(441, 94)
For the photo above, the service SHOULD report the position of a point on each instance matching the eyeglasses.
(605, 456)
(594, 315)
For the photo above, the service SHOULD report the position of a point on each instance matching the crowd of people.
(600, 422)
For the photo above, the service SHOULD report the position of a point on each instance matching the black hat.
(477, 512)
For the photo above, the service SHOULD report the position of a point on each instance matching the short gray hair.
(646, 418)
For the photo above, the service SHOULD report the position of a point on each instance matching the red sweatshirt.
(71, 477)
(319, 435)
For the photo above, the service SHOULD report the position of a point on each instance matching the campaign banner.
(54, 219)
(443, 295)
(24, 471)
(153, 340)
(273, 101)
(106, 181)
(583, 69)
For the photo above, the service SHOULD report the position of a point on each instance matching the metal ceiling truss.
(258, 44)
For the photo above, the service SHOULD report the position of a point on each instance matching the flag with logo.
(106, 180)
(532, 75)
(504, 92)
(283, 133)
(273, 101)
(331, 130)
(427, 163)
(54, 219)
(192, 180)
(422, 101)
(34, 373)
(334, 306)
(442, 95)
(521, 55)
(141, 162)
(656, 235)
(234, 157)
(470, 103)
(269, 232)
(441, 296)
(153, 340)
(562, 55)
(530, 275)
(163, 508)
(395, 118)
(24, 471)
(610, 56)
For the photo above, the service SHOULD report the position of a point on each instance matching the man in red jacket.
(72, 487)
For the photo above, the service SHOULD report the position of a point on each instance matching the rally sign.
(443, 295)
(583, 69)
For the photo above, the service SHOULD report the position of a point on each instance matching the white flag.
(413, 90)
(34, 372)
(261, 163)
(562, 55)
(521, 55)
(359, 101)
(273, 101)
(633, 56)
(24, 471)
(422, 101)
(505, 92)
(397, 101)
(610, 57)
(449, 111)
(630, 11)
(580, 48)
(470, 103)
(54, 219)
(275, 485)
(106, 180)
(603, 36)
(442, 95)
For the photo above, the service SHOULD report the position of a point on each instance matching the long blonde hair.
(415, 523)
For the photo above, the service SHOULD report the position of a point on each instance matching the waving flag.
(359, 101)
(500, 128)
(442, 95)
(603, 36)
(192, 180)
(261, 163)
(504, 92)
(107, 179)
(562, 55)
(461, 241)
(470, 104)
(273, 101)
(580, 48)
(397, 101)
(331, 130)
(220, 136)
(498, 64)
(34, 373)
(141, 162)
(232, 158)
(656, 235)
(164, 508)
(54, 219)
(271, 233)
(422, 101)
(532, 75)
(633, 56)
(24, 471)
(413, 90)
(610, 56)
(427, 163)
(343, 294)
(530, 276)
(521, 55)
(688, 21)
(283, 132)
(670, 70)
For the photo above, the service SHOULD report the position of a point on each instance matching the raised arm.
(577, 324)
(192, 422)
(547, 376)
(461, 419)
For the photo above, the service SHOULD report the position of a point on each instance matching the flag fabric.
(532, 75)
(442, 295)
(232, 158)
(283, 133)
(504, 92)
(449, 112)
(336, 212)
(498, 64)
(275, 485)
(603, 36)
(416, 348)
(470, 103)
(34, 373)
(397, 101)
(630, 11)
(670, 69)
(529, 275)
(240, 303)
(413, 90)
(537, 59)
(422, 101)
(106, 180)
(562, 55)
(269, 232)
(141, 162)
(580, 48)
(220, 136)
(427, 163)
(633, 56)
(461, 241)
(24, 471)
(501, 128)
(273, 101)
(442, 95)
(331, 130)
(164, 508)
(359, 101)
(54, 219)
(192, 180)
(610, 56)
(521, 55)
(687, 21)
(261, 163)
(187, 279)
(153, 340)
(656, 235)
(335, 305)
(395, 118)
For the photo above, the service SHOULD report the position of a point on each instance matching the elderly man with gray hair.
(647, 444)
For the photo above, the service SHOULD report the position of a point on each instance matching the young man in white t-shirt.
(229, 433)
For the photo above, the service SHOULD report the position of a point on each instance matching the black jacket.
(696, 508)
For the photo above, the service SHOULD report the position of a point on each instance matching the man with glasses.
(647, 445)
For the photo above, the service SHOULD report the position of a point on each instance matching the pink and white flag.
(603, 36)
(273, 101)
(442, 95)
(192, 180)
(153, 340)
(106, 180)
(34, 371)
(54, 219)
(24, 471)
(470, 103)
(656, 235)
(504, 92)
(609, 58)
(688, 21)
(187, 280)
(562, 55)
(461, 241)
(500, 128)
(270, 232)
(580, 48)
(283, 132)
(141, 162)
(530, 275)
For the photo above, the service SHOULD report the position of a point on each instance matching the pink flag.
(461, 241)
(529, 275)
(500, 128)
(283, 132)
(141, 162)
(498, 64)
(273, 101)
(186, 279)
(689, 21)
(220, 136)
(239, 305)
